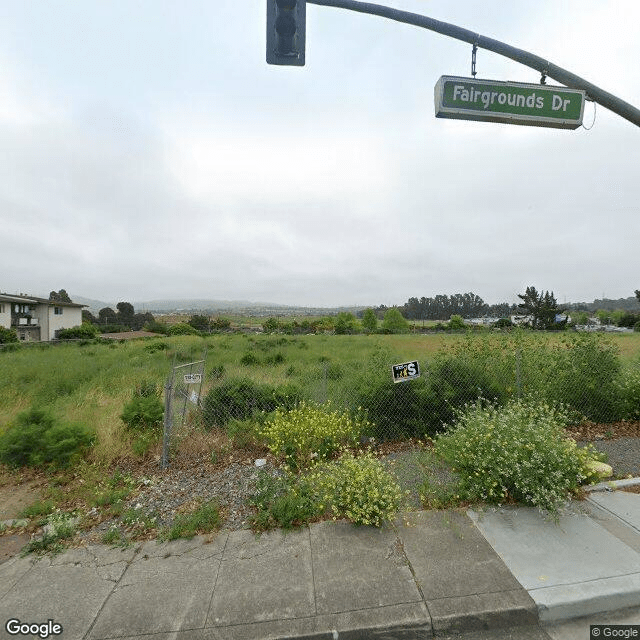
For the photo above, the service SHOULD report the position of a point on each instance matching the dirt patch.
(14, 497)
(130, 335)
(591, 431)
(11, 544)
(633, 489)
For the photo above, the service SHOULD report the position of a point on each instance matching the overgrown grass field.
(494, 404)
(91, 383)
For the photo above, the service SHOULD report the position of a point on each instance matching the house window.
(1, 308)
(57, 311)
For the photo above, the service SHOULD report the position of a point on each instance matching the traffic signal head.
(286, 23)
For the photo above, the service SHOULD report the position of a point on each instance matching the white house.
(38, 319)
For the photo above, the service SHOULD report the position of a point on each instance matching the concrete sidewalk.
(430, 572)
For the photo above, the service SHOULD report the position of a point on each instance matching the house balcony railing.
(25, 322)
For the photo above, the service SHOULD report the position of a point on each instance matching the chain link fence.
(591, 384)
(182, 395)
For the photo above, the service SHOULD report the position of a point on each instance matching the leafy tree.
(221, 324)
(580, 317)
(140, 319)
(394, 322)
(456, 323)
(87, 316)
(541, 307)
(59, 296)
(637, 292)
(345, 323)
(369, 321)
(107, 315)
(627, 319)
(442, 307)
(125, 311)
(199, 322)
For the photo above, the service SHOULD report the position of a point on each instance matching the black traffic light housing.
(286, 25)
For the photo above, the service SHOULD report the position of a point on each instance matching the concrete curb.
(612, 485)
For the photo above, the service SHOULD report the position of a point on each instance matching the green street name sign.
(535, 105)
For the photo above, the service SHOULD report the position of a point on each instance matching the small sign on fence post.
(405, 371)
(192, 378)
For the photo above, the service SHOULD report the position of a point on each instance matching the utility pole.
(607, 100)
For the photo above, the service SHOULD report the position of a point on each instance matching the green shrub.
(453, 383)
(519, 451)
(35, 439)
(156, 345)
(274, 359)
(85, 330)
(585, 376)
(249, 359)
(358, 489)
(629, 393)
(241, 398)
(394, 410)
(308, 434)
(182, 329)
(62, 442)
(145, 411)
(155, 326)
(8, 336)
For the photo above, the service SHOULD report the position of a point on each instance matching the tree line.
(123, 318)
(442, 307)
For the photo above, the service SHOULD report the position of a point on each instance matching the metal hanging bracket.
(473, 60)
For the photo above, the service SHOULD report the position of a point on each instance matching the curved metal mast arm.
(604, 98)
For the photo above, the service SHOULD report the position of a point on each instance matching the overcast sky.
(148, 151)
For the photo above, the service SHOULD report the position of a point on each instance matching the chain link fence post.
(168, 418)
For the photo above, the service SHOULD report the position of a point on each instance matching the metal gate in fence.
(182, 393)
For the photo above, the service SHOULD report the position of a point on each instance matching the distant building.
(38, 319)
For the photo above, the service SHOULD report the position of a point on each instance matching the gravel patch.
(161, 498)
(623, 455)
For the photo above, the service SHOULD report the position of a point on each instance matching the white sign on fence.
(192, 378)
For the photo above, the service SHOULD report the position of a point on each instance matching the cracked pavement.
(428, 572)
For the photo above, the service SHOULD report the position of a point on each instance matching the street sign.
(535, 105)
(405, 371)
(192, 378)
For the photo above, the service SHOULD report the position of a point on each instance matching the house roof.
(5, 297)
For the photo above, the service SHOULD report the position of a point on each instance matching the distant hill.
(203, 305)
(94, 305)
(195, 304)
